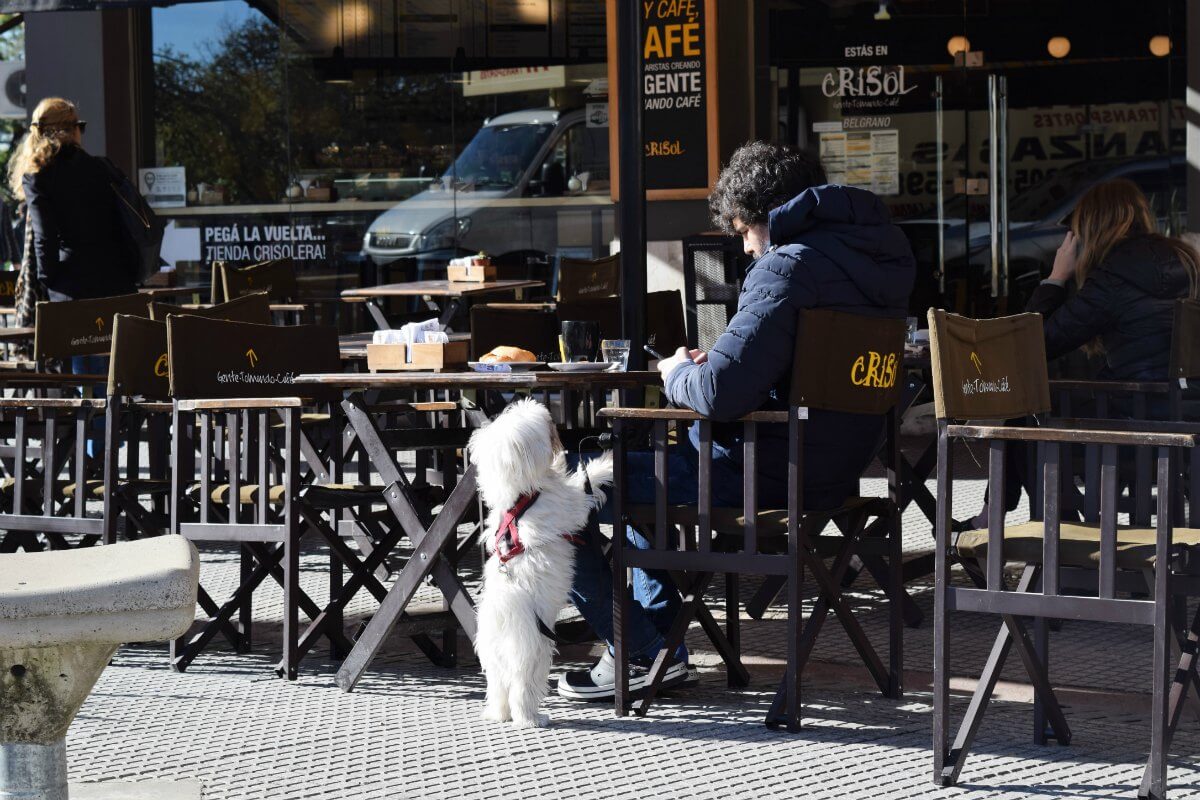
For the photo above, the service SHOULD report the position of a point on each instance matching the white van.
(529, 180)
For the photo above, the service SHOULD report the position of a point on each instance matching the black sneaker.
(597, 683)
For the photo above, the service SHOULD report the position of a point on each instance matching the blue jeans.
(656, 601)
(92, 365)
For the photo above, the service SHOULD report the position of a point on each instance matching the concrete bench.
(62, 616)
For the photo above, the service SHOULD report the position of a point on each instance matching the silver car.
(529, 180)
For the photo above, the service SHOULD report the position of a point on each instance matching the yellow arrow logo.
(253, 356)
(977, 362)
(100, 323)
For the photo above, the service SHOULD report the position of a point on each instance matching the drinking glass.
(580, 340)
(616, 352)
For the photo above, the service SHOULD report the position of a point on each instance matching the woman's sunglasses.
(81, 124)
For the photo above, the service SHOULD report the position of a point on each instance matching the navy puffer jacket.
(831, 247)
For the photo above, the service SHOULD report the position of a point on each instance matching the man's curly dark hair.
(759, 177)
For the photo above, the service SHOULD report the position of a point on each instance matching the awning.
(381, 34)
(16, 6)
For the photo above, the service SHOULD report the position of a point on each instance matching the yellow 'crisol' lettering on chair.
(833, 347)
(874, 370)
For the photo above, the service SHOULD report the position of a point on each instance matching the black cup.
(581, 340)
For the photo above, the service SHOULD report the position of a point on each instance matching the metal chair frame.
(819, 376)
(1041, 590)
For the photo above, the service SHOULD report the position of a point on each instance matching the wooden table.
(452, 296)
(548, 380)
(434, 544)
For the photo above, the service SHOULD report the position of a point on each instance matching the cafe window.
(907, 100)
(375, 143)
(582, 154)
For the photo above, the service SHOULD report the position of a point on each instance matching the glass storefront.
(906, 98)
(374, 141)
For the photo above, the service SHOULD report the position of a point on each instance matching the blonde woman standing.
(79, 247)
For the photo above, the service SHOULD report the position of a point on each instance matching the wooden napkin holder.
(474, 273)
(432, 356)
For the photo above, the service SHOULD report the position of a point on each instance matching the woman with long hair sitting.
(1128, 277)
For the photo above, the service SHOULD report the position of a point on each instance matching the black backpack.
(143, 230)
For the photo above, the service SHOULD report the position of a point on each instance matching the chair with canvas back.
(46, 440)
(844, 363)
(277, 278)
(996, 370)
(665, 327)
(584, 279)
(244, 486)
(254, 307)
(528, 326)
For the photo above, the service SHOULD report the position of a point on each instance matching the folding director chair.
(254, 307)
(842, 363)
(249, 480)
(46, 459)
(996, 370)
(277, 278)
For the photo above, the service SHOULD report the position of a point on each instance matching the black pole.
(631, 209)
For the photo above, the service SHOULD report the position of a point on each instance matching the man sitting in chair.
(814, 246)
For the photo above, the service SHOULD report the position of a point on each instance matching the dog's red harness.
(508, 543)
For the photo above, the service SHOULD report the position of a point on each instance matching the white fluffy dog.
(522, 473)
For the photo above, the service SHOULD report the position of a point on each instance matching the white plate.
(581, 366)
(505, 366)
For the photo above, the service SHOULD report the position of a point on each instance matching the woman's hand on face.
(1064, 259)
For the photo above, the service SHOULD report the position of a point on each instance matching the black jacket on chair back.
(1128, 301)
(78, 238)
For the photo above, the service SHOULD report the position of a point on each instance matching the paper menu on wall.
(863, 159)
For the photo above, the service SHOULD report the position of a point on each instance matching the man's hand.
(681, 356)
(1065, 258)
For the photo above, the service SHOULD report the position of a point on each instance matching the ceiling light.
(1160, 45)
(958, 44)
(1059, 46)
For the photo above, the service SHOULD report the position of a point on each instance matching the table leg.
(381, 321)
(453, 304)
(429, 557)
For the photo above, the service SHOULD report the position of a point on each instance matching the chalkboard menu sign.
(679, 97)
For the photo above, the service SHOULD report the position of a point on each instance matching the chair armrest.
(238, 403)
(52, 402)
(684, 414)
(1074, 436)
(1135, 425)
(151, 406)
(288, 306)
(48, 379)
(1145, 387)
(531, 306)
